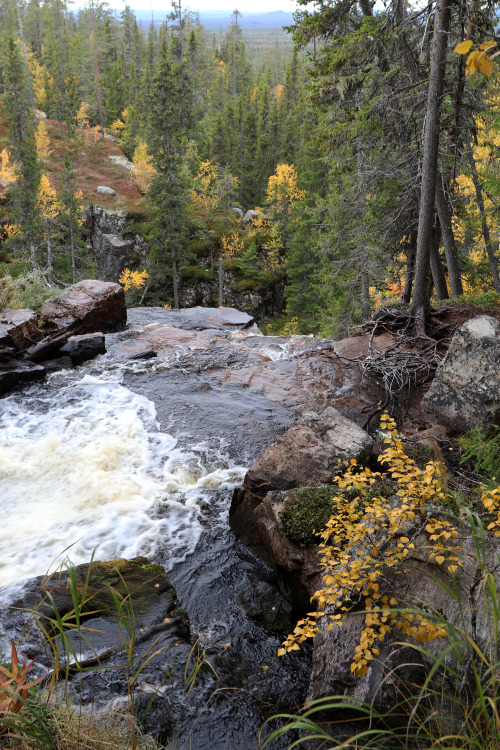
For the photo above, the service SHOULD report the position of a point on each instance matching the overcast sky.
(245, 6)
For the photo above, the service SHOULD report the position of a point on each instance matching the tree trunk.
(49, 252)
(450, 248)
(97, 79)
(28, 74)
(72, 236)
(221, 281)
(33, 260)
(437, 270)
(486, 230)
(175, 280)
(410, 267)
(363, 255)
(429, 161)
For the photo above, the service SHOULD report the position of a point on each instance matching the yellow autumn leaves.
(477, 60)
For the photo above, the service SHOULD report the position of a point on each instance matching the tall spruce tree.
(168, 190)
(22, 149)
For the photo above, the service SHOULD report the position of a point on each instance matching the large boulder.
(19, 328)
(89, 306)
(309, 452)
(465, 392)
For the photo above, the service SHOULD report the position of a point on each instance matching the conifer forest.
(354, 141)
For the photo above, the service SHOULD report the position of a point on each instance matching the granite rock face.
(90, 305)
(465, 392)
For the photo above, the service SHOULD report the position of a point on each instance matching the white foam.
(94, 471)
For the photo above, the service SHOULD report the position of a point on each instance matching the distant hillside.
(213, 19)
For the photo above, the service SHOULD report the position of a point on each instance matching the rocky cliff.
(116, 241)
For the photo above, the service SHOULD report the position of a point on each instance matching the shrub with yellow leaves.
(133, 279)
(477, 60)
(143, 171)
(364, 539)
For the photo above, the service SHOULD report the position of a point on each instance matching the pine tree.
(168, 189)
(22, 150)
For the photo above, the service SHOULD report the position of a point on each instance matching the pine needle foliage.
(483, 448)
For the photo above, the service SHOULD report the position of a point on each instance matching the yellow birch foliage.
(133, 279)
(47, 199)
(477, 60)
(143, 171)
(353, 562)
(466, 223)
(205, 196)
(42, 142)
(42, 81)
(282, 188)
(231, 245)
(118, 125)
(7, 169)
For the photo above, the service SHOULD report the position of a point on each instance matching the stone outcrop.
(19, 329)
(116, 244)
(465, 392)
(114, 247)
(105, 190)
(84, 347)
(308, 452)
(89, 305)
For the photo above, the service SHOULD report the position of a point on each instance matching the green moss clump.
(485, 300)
(306, 514)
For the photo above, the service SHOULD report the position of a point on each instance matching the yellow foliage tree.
(42, 141)
(467, 222)
(143, 171)
(49, 209)
(133, 279)
(353, 562)
(231, 245)
(7, 169)
(42, 81)
(282, 189)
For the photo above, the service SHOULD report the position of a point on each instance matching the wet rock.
(104, 190)
(19, 328)
(90, 305)
(308, 452)
(150, 603)
(267, 606)
(84, 347)
(13, 372)
(465, 392)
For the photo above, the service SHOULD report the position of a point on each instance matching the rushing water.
(89, 471)
(126, 458)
